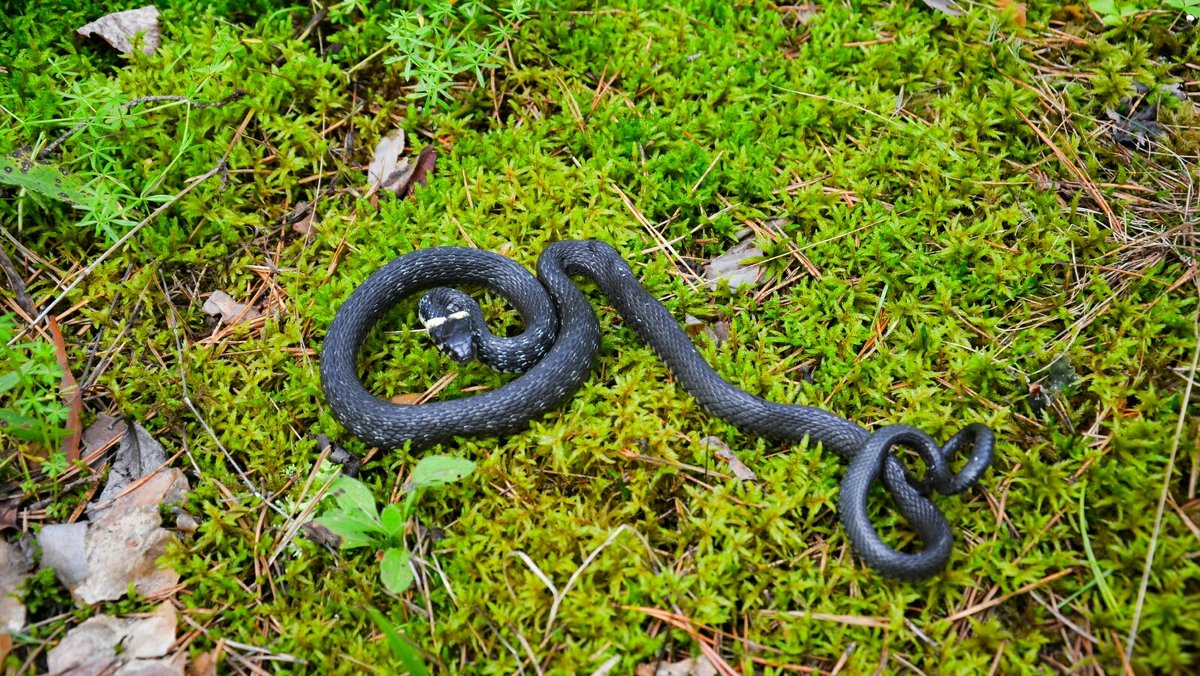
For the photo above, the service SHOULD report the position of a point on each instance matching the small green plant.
(30, 406)
(356, 521)
(1116, 12)
(1189, 7)
(444, 39)
(401, 648)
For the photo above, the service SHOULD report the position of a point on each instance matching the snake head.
(446, 315)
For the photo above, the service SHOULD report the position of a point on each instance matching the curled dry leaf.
(120, 28)
(123, 539)
(106, 431)
(731, 266)
(303, 219)
(64, 548)
(106, 644)
(8, 514)
(1016, 8)
(717, 331)
(1137, 129)
(388, 170)
(204, 664)
(944, 6)
(693, 666)
(721, 449)
(137, 455)
(424, 167)
(14, 564)
(231, 311)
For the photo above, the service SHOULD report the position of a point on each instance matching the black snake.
(556, 352)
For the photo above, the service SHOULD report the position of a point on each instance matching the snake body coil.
(557, 350)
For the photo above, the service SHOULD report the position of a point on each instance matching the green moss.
(922, 202)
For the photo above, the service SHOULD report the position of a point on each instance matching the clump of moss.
(954, 256)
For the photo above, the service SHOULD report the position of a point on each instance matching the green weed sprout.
(356, 521)
(1189, 7)
(401, 649)
(1115, 12)
(31, 409)
(445, 39)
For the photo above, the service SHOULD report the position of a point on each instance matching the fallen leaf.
(721, 449)
(119, 29)
(350, 463)
(944, 6)
(8, 514)
(125, 539)
(731, 266)
(137, 455)
(303, 219)
(204, 664)
(717, 331)
(387, 168)
(693, 666)
(800, 13)
(1070, 14)
(1017, 9)
(105, 431)
(424, 166)
(14, 564)
(64, 549)
(131, 645)
(231, 311)
(1136, 129)
(69, 389)
(408, 398)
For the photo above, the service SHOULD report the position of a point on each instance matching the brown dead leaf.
(105, 431)
(1070, 14)
(64, 549)
(944, 6)
(408, 398)
(125, 540)
(120, 28)
(693, 666)
(1016, 8)
(121, 543)
(721, 449)
(717, 331)
(422, 167)
(303, 219)
(388, 170)
(204, 664)
(8, 514)
(71, 395)
(14, 564)
(231, 311)
(137, 455)
(731, 266)
(106, 644)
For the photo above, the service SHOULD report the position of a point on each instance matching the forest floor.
(985, 217)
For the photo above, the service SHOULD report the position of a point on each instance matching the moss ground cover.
(959, 218)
